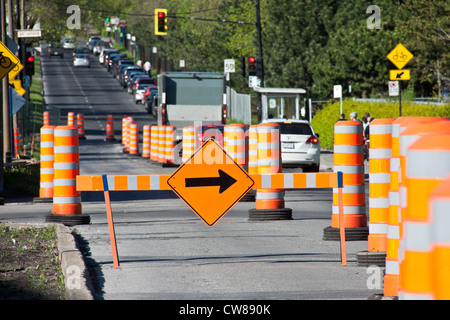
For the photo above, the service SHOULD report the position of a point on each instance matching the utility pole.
(5, 87)
(259, 31)
(2, 118)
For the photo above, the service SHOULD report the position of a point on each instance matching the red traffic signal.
(30, 59)
(251, 66)
(161, 15)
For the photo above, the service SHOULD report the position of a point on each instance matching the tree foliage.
(310, 44)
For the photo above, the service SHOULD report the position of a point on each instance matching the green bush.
(324, 120)
(22, 180)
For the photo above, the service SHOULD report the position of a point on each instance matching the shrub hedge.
(324, 120)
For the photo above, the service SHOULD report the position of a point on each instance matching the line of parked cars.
(131, 77)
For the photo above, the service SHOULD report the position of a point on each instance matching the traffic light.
(29, 65)
(259, 71)
(252, 66)
(161, 22)
(242, 66)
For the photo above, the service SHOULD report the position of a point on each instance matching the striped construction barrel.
(80, 126)
(66, 199)
(349, 159)
(269, 202)
(169, 145)
(439, 202)
(252, 149)
(379, 180)
(428, 165)
(133, 139)
(146, 141)
(71, 119)
(16, 142)
(189, 143)
(236, 146)
(110, 128)
(46, 164)
(153, 143)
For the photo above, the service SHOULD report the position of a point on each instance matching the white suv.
(300, 146)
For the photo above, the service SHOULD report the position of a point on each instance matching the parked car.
(124, 77)
(139, 92)
(300, 145)
(117, 63)
(81, 60)
(68, 44)
(55, 50)
(106, 57)
(150, 99)
(111, 56)
(138, 80)
(102, 54)
(80, 50)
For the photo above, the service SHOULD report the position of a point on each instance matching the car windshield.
(295, 128)
(81, 56)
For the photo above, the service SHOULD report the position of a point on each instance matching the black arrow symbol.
(399, 75)
(223, 180)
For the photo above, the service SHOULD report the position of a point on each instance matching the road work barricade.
(108, 183)
(146, 136)
(189, 143)
(16, 143)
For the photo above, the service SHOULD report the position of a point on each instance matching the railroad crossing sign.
(400, 56)
(210, 182)
(7, 60)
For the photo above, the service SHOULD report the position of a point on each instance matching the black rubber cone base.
(351, 234)
(269, 214)
(371, 258)
(69, 219)
(249, 196)
(43, 200)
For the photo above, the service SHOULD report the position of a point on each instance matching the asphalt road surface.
(165, 250)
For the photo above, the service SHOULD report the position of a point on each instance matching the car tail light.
(312, 139)
(136, 87)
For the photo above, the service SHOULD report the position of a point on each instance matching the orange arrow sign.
(210, 182)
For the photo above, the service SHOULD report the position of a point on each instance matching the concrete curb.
(77, 282)
(78, 285)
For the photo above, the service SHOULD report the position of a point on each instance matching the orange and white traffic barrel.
(46, 164)
(124, 129)
(80, 126)
(252, 149)
(16, 142)
(189, 143)
(71, 119)
(66, 199)
(110, 128)
(161, 141)
(236, 146)
(46, 118)
(349, 159)
(439, 202)
(269, 202)
(169, 145)
(153, 143)
(392, 276)
(134, 139)
(379, 181)
(428, 165)
(146, 141)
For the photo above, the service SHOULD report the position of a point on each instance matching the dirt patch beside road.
(29, 264)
